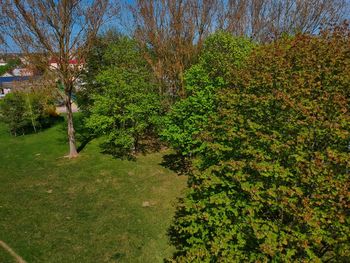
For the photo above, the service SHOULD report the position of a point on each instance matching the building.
(73, 63)
(22, 72)
(2, 62)
(8, 82)
(5, 75)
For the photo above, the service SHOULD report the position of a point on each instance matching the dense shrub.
(125, 110)
(26, 112)
(12, 110)
(273, 184)
(222, 54)
(11, 64)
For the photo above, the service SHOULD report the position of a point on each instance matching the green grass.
(89, 209)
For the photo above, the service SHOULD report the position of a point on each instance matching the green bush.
(26, 112)
(126, 108)
(272, 182)
(13, 113)
(11, 64)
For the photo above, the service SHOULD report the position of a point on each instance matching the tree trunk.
(71, 133)
(31, 113)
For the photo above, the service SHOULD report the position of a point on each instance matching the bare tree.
(63, 30)
(266, 19)
(171, 33)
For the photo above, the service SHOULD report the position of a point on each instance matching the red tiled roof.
(71, 62)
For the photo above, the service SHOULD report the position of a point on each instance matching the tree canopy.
(272, 181)
(126, 108)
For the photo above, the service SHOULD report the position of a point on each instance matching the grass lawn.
(85, 210)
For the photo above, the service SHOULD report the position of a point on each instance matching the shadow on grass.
(41, 125)
(118, 256)
(175, 238)
(148, 144)
(84, 142)
(177, 163)
(180, 165)
(82, 135)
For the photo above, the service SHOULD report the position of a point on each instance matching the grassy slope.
(84, 210)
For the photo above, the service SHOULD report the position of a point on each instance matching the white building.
(2, 62)
(22, 72)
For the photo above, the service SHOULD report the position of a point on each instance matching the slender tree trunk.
(31, 113)
(71, 133)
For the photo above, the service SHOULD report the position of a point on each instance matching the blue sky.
(115, 23)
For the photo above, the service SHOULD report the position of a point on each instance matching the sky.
(122, 25)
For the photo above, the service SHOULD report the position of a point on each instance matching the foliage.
(126, 108)
(272, 184)
(11, 64)
(96, 61)
(26, 112)
(222, 54)
(13, 110)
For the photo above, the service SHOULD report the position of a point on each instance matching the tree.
(222, 53)
(272, 182)
(12, 112)
(171, 34)
(96, 61)
(26, 111)
(126, 108)
(264, 20)
(63, 30)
